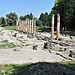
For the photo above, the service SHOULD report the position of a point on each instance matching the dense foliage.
(66, 8)
(11, 18)
(30, 16)
(44, 19)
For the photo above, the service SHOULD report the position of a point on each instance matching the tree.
(59, 7)
(69, 14)
(44, 19)
(66, 9)
(21, 18)
(50, 19)
(11, 18)
(41, 17)
(38, 23)
(2, 20)
(30, 16)
(34, 18)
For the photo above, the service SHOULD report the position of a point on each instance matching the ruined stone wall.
(28, 26)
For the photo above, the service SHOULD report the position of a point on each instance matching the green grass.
(4, 41)
(42, 29)
(11, 45)
(6, 44)
(40, 68)
(3, 45)
(6, 69)
(10, 27)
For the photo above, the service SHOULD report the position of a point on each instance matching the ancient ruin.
(58, 26)
(27, 26)
(41, 47)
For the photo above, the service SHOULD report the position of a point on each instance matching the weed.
(11, 45)
(4, 41)
(6, 44)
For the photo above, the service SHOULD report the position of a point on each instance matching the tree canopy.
(66, 9)
(11, 18)
(44, 19)
(2, 20)
(30, 16)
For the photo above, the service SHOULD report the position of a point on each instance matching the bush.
(3, 25)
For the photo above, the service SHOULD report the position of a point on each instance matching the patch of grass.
(3, 45)
(4, 41)
(11, 45)
(42, 29)
(6, 44)
(10, 27)
(22, 41)
(6, 69)
(38, 29)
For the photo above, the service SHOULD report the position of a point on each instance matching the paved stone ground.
(24, 53)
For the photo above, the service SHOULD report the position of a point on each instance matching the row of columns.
(58, 27)
(28, 26)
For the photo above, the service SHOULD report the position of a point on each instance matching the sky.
(24, 7)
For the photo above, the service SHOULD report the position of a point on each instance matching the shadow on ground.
(44, 68)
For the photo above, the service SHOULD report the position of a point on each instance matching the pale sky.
(23, 7)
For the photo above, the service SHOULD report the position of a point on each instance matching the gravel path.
(26, 55)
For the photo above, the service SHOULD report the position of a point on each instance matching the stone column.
(26, 22)
(27, 26)
(32, 27)
(23, 22)
(16, 24)
(22, 25)
(58, 26)
(52, 28)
